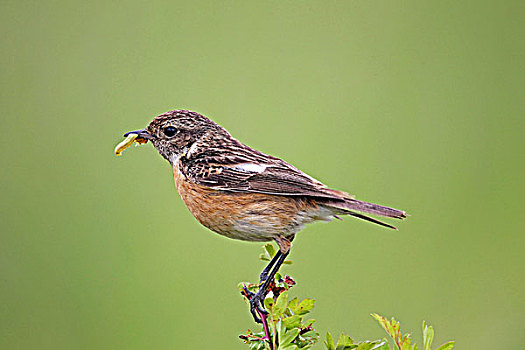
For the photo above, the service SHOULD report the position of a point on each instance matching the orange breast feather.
(245, 216)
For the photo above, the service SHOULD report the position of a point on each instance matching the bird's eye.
(170, 131)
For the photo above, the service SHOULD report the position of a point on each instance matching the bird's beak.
(141, 134)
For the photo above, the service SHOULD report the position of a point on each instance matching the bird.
(244, 194)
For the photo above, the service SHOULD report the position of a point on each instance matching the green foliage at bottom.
(289, 329)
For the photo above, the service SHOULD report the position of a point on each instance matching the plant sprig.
(289, 329)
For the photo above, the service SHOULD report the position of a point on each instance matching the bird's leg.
(264, 273)
(263, 289)
(256, 301)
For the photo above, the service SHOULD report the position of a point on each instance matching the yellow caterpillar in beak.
(128, 141)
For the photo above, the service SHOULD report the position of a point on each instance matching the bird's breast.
(245, 215)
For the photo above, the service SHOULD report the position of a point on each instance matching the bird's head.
(173, 133)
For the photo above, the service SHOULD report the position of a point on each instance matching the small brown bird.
(244, 194)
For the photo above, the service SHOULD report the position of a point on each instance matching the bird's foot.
(256, 304)
(257, 308)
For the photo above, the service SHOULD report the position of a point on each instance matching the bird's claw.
(247, 293)
(256, 307)
(256, 303)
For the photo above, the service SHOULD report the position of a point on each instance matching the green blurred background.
(417, 105)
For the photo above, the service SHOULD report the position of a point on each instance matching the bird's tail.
(352, 207)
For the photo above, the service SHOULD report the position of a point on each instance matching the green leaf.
(268, 304)
(280, 328)
(282, 300)
(376, 345)
(388, 326)
(289, 337)
(257, 346)
(366, 345)
(305, 306)
(447, 346)
(406, 344)
(270, 250)
(428, 336)
(292, 322)
(289, 347)
(310, 334)
(280, 305)
(306, 340)
(330, 345)
(293, 304)
(309, 323)
(344, 341)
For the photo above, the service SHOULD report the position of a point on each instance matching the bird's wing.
(238, 168)
(243, 169)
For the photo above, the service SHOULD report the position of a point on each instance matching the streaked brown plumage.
(245, 194)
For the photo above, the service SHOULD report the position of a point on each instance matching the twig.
(265, 327)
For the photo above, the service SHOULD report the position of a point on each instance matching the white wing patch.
(192, 150)
(251, 167)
